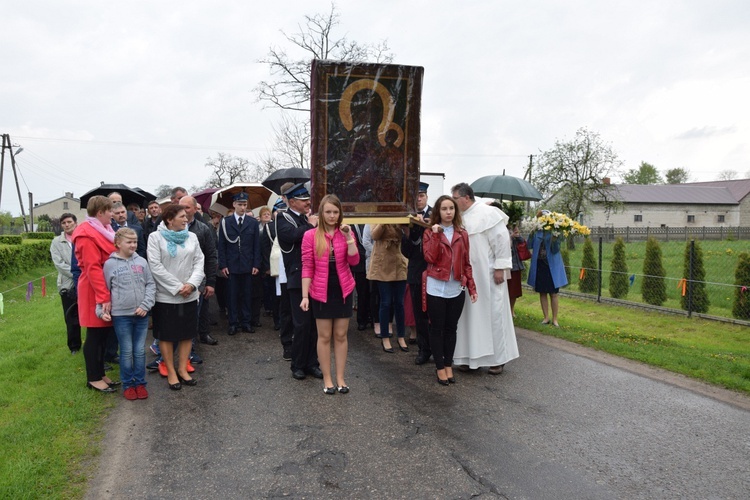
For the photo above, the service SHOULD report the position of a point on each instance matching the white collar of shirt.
(237, 217)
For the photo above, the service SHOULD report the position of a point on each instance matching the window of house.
(638, 218)
(65, 205)
(691, 218)
(719, 218)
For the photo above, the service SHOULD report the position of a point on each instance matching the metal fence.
(680, 262)
(685, 233)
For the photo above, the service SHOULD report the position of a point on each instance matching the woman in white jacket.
(176, 262)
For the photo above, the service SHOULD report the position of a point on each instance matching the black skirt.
(544, 283)
(335, 305)
(175, 322)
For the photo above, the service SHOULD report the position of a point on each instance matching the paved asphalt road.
(561, 422)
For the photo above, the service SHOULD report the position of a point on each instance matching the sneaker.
(155, 349)
(141, 392)
(190, 368)
(154, 365)
(130, 394)
(163, 369)
(287, 356)
(194, 358)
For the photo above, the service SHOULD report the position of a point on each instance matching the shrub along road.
(563, 421)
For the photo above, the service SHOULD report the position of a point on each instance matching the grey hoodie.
(130, 284)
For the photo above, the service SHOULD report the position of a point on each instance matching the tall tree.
(163, 191)
(289, 87)
(574, 172)
(644, 174)
(677, 176)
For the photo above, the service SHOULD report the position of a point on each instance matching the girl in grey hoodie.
(133, 293)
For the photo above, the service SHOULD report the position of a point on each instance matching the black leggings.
(444, 315)
(93, 351)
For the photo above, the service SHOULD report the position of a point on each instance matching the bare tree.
(727, 175)
(572, 173)
(227, 169)
(290, 87)
(164, 191)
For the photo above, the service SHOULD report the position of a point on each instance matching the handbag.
(275, 254)
(523, 251)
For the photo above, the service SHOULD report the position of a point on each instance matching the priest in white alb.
(486, 336)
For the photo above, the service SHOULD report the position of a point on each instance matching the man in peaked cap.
(291, 226)
(411, 247)
(239, 260)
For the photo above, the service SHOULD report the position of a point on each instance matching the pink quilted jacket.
(316, 267)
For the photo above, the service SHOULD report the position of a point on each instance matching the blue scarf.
(175, 238)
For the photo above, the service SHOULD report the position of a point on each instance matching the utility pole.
(31, 211)
(8, 145)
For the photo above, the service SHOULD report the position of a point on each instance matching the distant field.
(719, 261)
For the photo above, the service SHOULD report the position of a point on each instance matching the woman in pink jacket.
(328, 251)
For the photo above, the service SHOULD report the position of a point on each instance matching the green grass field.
(719, 261)
(49, 423)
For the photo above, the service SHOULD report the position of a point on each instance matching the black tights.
(444, 315)
(93, 352)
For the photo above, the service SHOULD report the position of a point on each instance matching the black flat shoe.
(175, 387)
(107, 390)
(451, 380)
(441, 381)
(343, 389)
(387, 349)
(192, 382)
(114, 384)
(329, 390)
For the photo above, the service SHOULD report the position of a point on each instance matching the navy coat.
(239, 250)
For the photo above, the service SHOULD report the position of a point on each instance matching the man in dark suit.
(411, 247)
(115, 197)
(291, 226)
(120, 219)
(239, 260)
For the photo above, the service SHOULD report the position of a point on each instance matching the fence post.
(666, 232)
(738, 233)
(704, 233)
(690, 280)
(599, 293)
(627, 234)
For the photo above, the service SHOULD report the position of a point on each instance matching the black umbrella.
(128, 195)
(145, 193)
(284, 175)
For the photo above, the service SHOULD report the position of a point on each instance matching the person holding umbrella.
(239, 260)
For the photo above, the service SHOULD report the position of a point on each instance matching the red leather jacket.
(442, 256)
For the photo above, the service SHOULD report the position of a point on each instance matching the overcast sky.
(143, 93)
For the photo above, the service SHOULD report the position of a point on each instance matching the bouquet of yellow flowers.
(560, 225)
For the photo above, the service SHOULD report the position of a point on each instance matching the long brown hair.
(435, 217)
(321, 243)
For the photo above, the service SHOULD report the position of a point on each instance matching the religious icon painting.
(365, 136)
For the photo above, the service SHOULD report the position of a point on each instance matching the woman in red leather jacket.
(448, 275)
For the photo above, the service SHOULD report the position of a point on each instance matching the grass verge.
(49, 424)
(714, 352)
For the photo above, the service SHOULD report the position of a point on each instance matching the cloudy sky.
(144, 92)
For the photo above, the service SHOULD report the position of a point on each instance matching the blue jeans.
(131, 333)
(392, 300)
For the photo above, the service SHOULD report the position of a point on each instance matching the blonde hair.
(321, 243)
(124, 233)
(264, 210)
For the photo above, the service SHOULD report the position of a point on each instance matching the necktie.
(240, 222)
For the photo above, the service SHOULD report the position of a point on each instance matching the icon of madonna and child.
(366, 134)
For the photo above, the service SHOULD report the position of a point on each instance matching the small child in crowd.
(133, 293)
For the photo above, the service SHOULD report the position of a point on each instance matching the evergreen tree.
(741, 308)
(698, 285)
(566, 261)
(654, 288)
(618, 277)
(590, 281)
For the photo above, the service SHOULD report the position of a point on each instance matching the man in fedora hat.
(239, 260)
